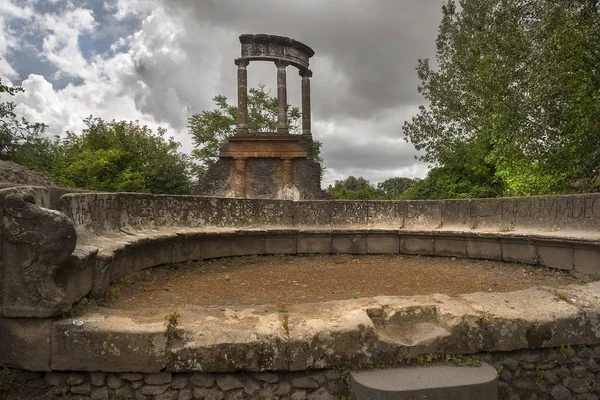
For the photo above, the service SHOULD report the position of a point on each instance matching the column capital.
(305, 73)
(241, 62)
(281, 63)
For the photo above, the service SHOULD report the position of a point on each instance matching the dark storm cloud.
(375, 154)
(372, 46)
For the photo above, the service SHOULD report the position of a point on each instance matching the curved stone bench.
(379, 331)
(133, 231)
(121, 254)
(118, 234)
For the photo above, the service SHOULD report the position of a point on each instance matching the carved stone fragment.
(35, 242)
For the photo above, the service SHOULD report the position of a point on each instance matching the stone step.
(439, 382)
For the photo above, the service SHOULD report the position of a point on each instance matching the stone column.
(306, 75)
(288, 172)
(282, 126)
(240, 177)
(242, 80)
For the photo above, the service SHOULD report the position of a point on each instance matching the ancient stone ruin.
(274, 165)
(62, 249)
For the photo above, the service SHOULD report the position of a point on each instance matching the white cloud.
(8, 39)
(169, 62)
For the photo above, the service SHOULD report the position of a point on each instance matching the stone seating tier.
(118, 234)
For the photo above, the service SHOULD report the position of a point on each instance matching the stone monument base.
(263, 179)
(265, 165)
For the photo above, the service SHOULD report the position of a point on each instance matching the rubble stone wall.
(560, 373)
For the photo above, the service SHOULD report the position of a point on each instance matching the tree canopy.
(121, 156)
(359, 188)
(105, 156)
(513, 98)
(21, 141)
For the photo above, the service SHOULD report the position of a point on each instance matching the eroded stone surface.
(324, 335)
(35, 243)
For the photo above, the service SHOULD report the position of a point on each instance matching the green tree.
(354, 188)
(395, 187)
(21, 141)
(210, 129)
(515, 90)
(121, 156)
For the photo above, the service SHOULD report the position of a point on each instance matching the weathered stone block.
(344, 213)
(99, 393)
(55, 378)
(76, 275)
(436, 382)
(416, 245)
(312, 213)
(143, 254)
(228, 382)
(114, 382)
(456, 212)
(383, 213)
(247, 245)
(113, 344)
(216, 247)
(203, 393)
(522, 251)
(98, 378)
(527, 319)
(84, 388)
(131, 376)
(587, 261)
(92, 212)
(276, 244)
(450, 246)
(423, 214)
(556, 256)
(187, 247)
(484, 248)
(349, 244)
(314, 244)
(154, 390)
(159, 379)
(202, 380)
(35, 243)
(25, 343)
(383, 244)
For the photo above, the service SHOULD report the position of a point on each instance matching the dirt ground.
(282, 280)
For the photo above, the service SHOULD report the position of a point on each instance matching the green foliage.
(106, 156)
(211, 128)
(393, 188)
(516, 90)
(351, 183)
(353, 188)
(21, 141)
(121, 156)
(7, 378)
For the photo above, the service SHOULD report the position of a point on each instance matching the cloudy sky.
(160, 61)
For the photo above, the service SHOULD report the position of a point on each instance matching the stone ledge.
(432, 383)
(379, 330)
(129, 251)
